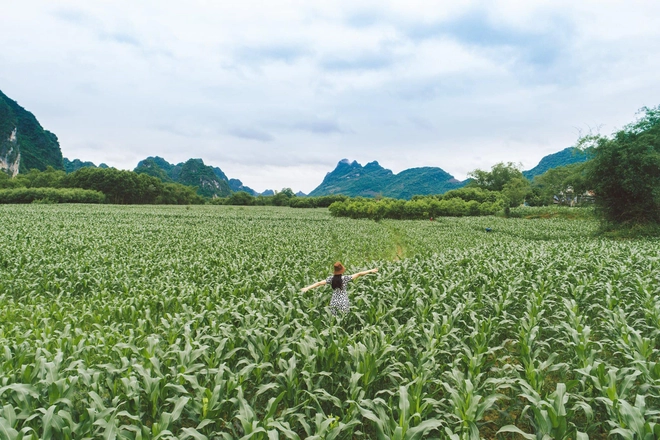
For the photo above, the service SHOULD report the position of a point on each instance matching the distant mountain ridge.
(567, 156)
(73, 165)
(210, 181)
(352, 179)
(24, 144)
(372, 180)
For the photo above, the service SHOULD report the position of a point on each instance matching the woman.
(339, 301)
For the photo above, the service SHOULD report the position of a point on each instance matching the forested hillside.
(567, 156)
(210, 181)
(24, 144)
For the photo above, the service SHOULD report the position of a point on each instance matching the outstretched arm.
(313, 286)
(366, 272)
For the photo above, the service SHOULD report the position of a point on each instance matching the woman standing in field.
(339, 301)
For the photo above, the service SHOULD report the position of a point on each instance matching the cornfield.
(173, 323)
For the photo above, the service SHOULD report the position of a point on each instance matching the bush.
(50, 195)
(417, 208)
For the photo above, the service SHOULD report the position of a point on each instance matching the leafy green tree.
(516, 190)
(49, 178)
(495, 179)
(240, 198)
(282, 198)
(625, 172)
(177, 194)
(7, 182)
(557, 180)
(469, 194)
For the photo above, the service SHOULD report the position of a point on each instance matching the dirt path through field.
(398, 239)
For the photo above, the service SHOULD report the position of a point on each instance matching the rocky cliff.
(24, 144)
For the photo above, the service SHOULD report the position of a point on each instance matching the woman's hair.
(336, 281)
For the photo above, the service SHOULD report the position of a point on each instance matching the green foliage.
(119, 187)
(504, 178)
(625, 172)
(50, 195)
(283, 197)
(469, 194)
(556, 181)
(315, 202)
(494, 180)
(49, 178)
(127, 187)
(166, 322)
(240, 198)
(421, 207)
(176, 194)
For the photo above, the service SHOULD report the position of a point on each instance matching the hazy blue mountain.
(562, 158)
(371, 180)
(24, 144)
(73, 165)
(268, 192)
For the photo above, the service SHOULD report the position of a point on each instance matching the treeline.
(456, 203)
(115, 186)
(286, 197)
(488, 193)
(50, 195)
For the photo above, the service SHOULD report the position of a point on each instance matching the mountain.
(371, 180)
(24, 144)
(73, 165)
(210, 181)
(567, 156)
(195, 173)
(159, 167)
(236, 186)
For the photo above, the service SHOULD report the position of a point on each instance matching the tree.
(556, 180)
(516, 190)
(625, 172)
(240, 198)
(282, 198)
(495, 179)
(504, 177)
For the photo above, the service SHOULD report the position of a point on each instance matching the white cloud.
(275, 93)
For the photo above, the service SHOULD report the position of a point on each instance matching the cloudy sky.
(277, 92)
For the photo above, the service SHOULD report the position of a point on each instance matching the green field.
(174, 322)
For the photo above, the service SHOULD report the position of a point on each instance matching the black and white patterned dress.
(339, 301)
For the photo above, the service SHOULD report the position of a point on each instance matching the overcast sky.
(277, 92)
